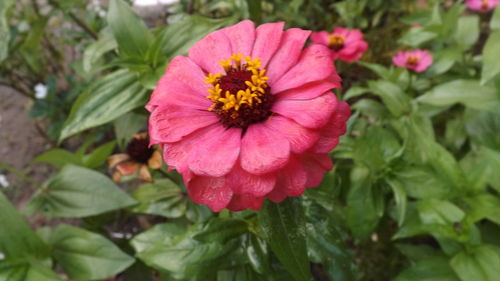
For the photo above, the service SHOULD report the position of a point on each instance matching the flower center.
(138, 149)
(485, 4)
(336, 41)
(241, 96)
(412, 60)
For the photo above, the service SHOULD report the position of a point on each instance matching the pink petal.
(315, 64)
(211, 50)
(400, 59)
(176, 154)
(312, 113)
(245, 201)
(287, 55)
(170, 122)
(242, 37)
(336, 127)
(310, 90)
(210, 191)
(267, 41)
(262, 151)
(242, 182)
(315, 166)
(183, 78)
(291, 181)
(299, 137)
(320, 37)
(216, 152)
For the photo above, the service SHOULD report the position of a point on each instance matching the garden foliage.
(414, 194)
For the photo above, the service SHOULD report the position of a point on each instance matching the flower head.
(138, 157)
(416, 60)
(248, 115)
(41, 91)
(345, 44)
(482, 5)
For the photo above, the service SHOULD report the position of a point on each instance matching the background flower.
(416, 60)
(482, 5)
(248, 115)
(345, 44)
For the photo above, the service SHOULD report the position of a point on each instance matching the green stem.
(19, 174)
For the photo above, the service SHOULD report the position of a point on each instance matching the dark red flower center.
(138, 149)
(241, 96)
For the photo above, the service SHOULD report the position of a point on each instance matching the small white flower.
(3, 181)
(101, 13)
(41, 91)
(2, 256)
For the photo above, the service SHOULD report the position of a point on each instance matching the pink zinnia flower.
(345, 44)
(248, 115)
(482, 5)
(416, 60)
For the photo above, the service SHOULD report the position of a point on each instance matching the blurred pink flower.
(482, 5)
(345, 44)
(248, 115)
(416, 60)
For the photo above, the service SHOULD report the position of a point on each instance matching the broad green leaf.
(478, 171)
(467, 31)
(162, 198)
(372, 108)
(378, 69)
(17, 239)
(97, 157)
(417, 36)
(58, 158)
(432, 269)
(26, 271)
(85, 255)
(483, 127)
(103, 101)
(491, 63)
(423, 182)
(481, 263)
(258, 255)
(493, 161)
(130, 31)
(127, 125)
(97, 49)
(495, 19)
(468, 92)
(181, 254)
(392, 95)
(434, 211)
(417, 252)
(221, 230)
(5, 6)
(443, 60)
(483, 206)
(283, 226)
(364, 203)
(79, 192)
(255, 10)
(164, 233)
(355, 91)
(400, 199)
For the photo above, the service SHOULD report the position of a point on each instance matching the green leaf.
(17, 239)
(481, 263)
(130, 31)
(378, 69)
(491, 63)
(26, 271)
(493, 161)
(258, 255)
(163, 198)
(85, 255)
(467, 31)
(483, 206)
(255, 10)
(97, 49)
(468, 92)
(495, 19)
(355, 91)
(431, 269)
(221, 230)
(5, 6)
(423, 182)
(392, 95)
(177, 252)
(434, 211)
(103, 101)
(127, 125)
(97, 157)
(283, 226)
(364, 204)
(483, 128)
(417, 36)
(79, 192)
(58, 158)
(400, 198)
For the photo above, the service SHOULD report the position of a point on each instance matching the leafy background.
(414, 194)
